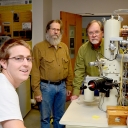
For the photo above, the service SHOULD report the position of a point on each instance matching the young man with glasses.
(16, 64)
(88, 52)
(52, 75)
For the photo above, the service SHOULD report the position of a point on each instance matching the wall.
(41, 14)
(45, 10)
(47, 16)
(37, 21)
(87, 6)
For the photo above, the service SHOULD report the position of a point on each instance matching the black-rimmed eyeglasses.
(21, 58)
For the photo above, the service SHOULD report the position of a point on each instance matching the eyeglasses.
(54, 29)
(92, 33)
(21, 58)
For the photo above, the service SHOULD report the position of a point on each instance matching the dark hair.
(55, 21)
(4, 48)
(95, 21)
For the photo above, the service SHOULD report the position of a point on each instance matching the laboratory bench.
(81, 114)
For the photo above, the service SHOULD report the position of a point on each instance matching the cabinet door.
(24, 93)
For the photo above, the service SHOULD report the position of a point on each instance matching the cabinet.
(24, 93)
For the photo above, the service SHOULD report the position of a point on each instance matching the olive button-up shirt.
(85, 55)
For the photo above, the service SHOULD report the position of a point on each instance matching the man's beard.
(53, 41)
(95, 42)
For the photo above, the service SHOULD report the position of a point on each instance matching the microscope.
(113, 67)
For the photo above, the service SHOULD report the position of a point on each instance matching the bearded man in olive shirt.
(88, 52)
(52, 75)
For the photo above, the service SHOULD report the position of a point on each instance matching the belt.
(55, 83)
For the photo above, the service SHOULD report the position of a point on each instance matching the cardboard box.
(117, 117)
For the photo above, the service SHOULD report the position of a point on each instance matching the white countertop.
(81, 113)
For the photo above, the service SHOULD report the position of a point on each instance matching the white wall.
(45, 10)
(87, 6)
(47, 16)
(37, 21)
(41, 14)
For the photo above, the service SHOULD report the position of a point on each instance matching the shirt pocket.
(65, 63)
(49, 63)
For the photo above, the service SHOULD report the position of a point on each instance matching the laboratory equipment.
(113, 81)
